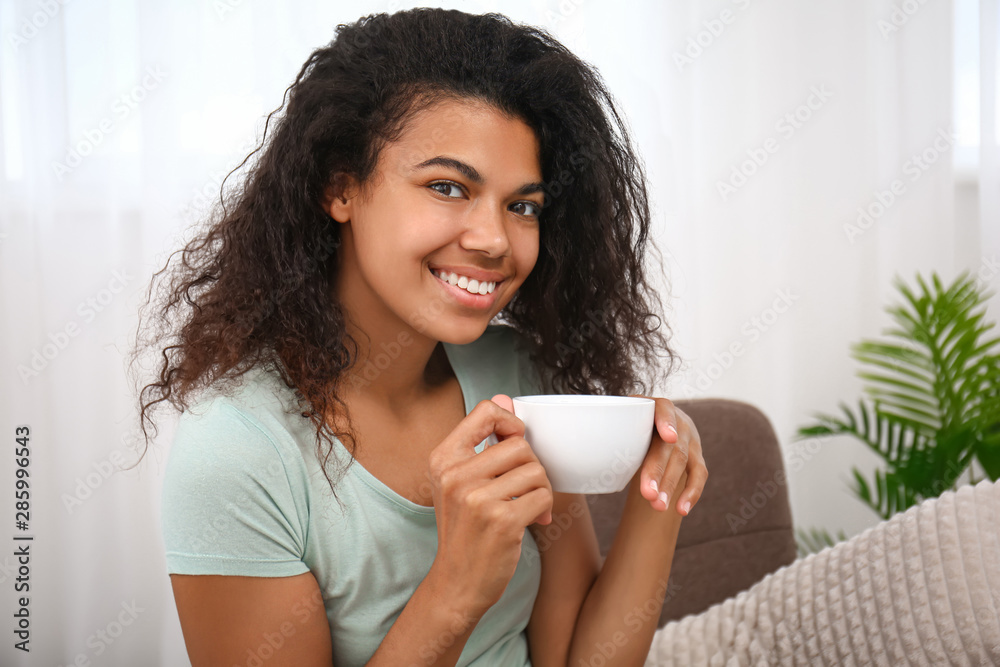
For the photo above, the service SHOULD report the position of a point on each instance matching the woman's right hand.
(483, 503)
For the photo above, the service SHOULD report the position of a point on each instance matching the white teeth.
(472, 286)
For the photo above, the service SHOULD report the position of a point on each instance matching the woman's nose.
(486, 230)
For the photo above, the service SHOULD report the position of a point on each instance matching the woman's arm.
(282, 621)
(432, 629)
(571, 561)
(228, 619)
(622, 609)
(584, 610)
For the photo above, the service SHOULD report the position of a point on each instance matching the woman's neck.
(396, 379)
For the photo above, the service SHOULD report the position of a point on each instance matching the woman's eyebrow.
(470, 172)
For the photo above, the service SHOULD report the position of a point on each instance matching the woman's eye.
(445, 187)
(533, 209)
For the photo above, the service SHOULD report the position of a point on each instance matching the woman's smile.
(467, 292)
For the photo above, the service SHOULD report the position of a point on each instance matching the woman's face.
(459, 193)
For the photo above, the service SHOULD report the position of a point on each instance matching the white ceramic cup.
(586, 443)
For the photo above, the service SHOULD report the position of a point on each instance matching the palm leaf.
(934, 386)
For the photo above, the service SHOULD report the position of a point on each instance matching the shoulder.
(235, 489)
(258, 401)
(249, 429)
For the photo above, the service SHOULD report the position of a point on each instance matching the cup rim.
(578, 400)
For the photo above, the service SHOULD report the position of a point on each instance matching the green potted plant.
(932, 400)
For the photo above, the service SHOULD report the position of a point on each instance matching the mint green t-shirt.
(244, 494)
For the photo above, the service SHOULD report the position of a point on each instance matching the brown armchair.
(741, 528)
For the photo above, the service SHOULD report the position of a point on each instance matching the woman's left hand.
(675, 447)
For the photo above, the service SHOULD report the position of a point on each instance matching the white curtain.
(119, 120)
(811, 160)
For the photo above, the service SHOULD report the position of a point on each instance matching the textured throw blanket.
(920, 589)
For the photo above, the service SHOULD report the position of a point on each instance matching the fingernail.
(686, 506)
(652, 485)
(663, 497)
(671, 427)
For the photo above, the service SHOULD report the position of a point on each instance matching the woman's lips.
(467, 298)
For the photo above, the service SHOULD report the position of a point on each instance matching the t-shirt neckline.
(381, 487)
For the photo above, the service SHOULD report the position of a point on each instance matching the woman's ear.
(338, 196)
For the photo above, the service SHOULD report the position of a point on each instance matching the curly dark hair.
(254, 287)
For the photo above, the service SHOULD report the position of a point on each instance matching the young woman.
(449, 213)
